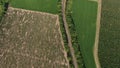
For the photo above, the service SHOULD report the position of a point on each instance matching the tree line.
(73, 33)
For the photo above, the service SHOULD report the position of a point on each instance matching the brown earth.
(30, 39)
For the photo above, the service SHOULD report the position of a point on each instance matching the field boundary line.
(96, 44)
(65, 53)
(68, 34)
(33, 11)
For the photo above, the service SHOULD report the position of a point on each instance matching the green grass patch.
(38, 5)
(109, 42)
(84, 14)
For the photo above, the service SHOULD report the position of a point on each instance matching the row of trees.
(64, 36)
(73, 33)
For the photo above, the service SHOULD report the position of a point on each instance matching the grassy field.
(38, 5)
(84, 15)
(109, 44)
(30, 39)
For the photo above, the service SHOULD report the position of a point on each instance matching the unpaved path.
(95, 50)
(68, 34)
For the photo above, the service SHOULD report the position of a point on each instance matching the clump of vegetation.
(1, 10)
(73, 33)
(3, 7)
(64, 36)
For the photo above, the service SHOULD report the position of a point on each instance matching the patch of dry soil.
(31, 39)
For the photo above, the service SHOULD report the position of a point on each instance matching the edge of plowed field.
(57, 23)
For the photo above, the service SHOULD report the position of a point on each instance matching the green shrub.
(64, 36)
(3, 7)
(73, 33)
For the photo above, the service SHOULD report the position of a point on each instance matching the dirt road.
(95, 50)
(68, 34)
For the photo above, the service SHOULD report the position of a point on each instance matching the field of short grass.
(38, 5)
(109, 42)
(84, 15)
(30, 39)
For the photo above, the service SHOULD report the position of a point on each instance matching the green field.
(38, 5)
(84, 15)
(109, 44)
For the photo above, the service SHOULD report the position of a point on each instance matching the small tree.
(1, 10)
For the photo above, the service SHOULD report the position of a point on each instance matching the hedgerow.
(64, 34)
(73, 33)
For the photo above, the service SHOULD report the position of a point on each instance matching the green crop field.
(38, 5)
(84, 15)
(109, 42)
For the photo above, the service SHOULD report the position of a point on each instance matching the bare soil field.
(31, 39)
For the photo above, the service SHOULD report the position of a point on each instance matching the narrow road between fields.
(95, 50)
(68, 34)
